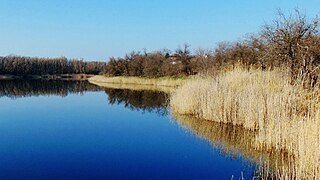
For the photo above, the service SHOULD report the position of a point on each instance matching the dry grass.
(285, 118)
(138, 83)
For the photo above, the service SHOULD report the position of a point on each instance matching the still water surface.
(74, 130)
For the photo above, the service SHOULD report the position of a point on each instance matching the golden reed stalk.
(284, 117)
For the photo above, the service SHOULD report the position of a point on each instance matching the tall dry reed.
(286, 118)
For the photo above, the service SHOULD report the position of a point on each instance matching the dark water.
(74, 130)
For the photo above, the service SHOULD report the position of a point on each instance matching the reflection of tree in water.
(151, 101)
(26, 88)
(236, 141)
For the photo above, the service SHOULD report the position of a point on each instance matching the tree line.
(290, 41)
(19, 65)
(154, 64)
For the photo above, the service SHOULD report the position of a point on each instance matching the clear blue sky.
(98, 29)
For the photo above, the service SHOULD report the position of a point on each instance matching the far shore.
(72, 77)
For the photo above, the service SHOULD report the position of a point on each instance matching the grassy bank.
(165, 84)
(285, 118)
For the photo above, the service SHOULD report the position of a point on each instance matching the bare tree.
(290, 40)
(185, 58)
(203, 60)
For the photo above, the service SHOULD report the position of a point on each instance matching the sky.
(99, 29)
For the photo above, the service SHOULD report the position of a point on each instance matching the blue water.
(82, 136)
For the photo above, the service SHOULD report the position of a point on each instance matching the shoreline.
(164, 84)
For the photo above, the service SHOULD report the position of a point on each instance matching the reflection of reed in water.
(27, 88)
(151, 101)
(235, 141)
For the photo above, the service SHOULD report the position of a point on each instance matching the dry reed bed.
(286, 118)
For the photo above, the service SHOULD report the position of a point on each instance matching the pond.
(75, 130)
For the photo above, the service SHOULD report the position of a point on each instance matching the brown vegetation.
(24, 66)
(156, 64)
